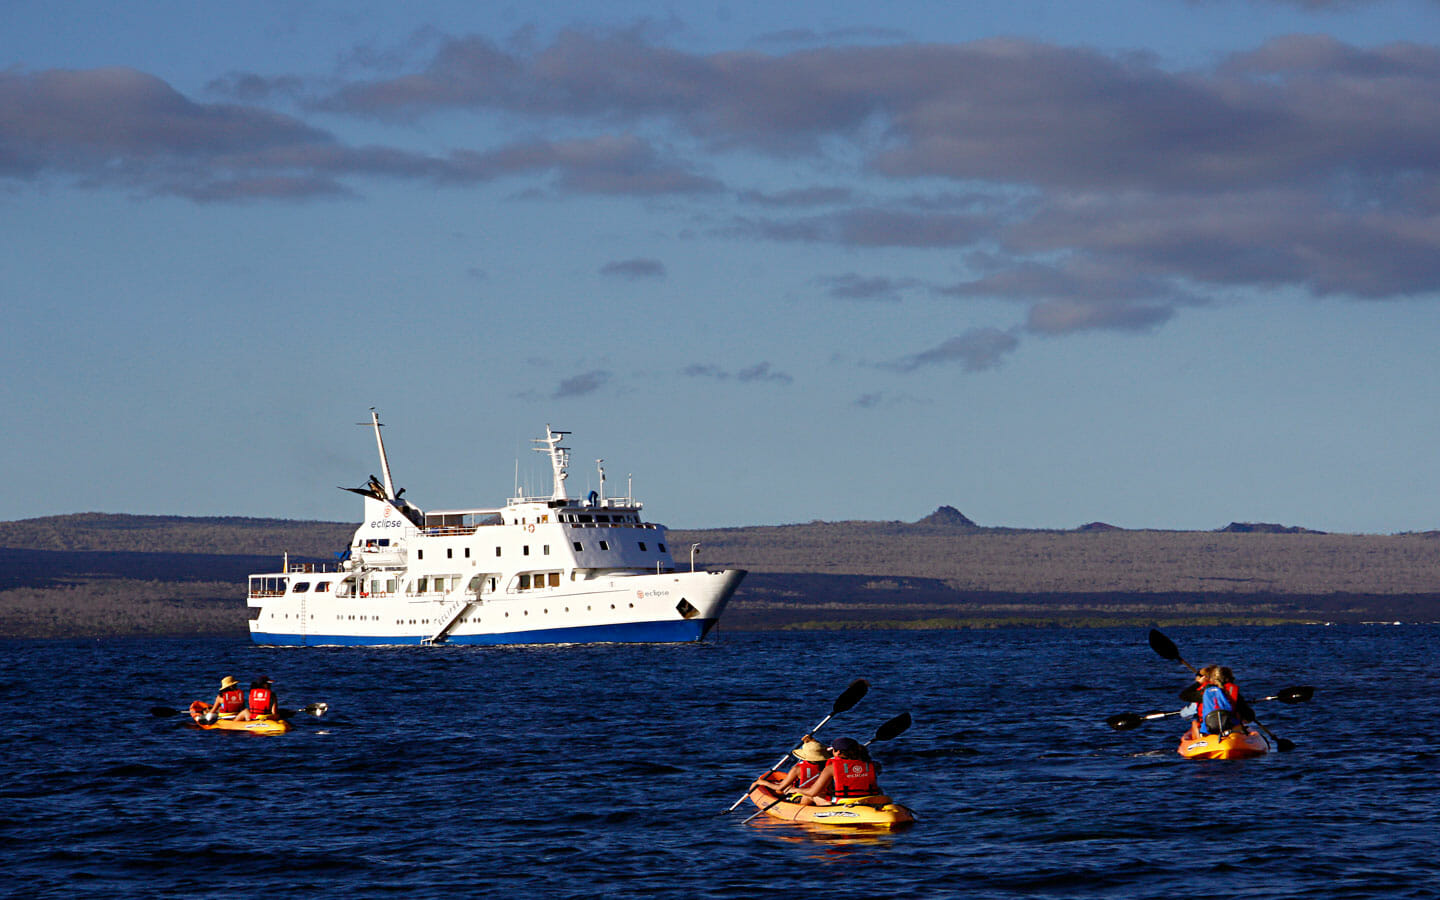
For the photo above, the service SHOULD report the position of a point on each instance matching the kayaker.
(1234, 708)
(260, 701)
(850, 772)
(1217, 708)
(231, 698)
(811, 756)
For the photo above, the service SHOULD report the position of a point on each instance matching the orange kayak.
(262, 725)
(1235, 745)
(878, 811)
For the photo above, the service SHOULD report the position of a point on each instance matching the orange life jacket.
(853, 777)
(805, 772)
(260, 701)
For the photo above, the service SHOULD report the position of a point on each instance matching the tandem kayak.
(262, 725)
(878, 811)
(1235, 745)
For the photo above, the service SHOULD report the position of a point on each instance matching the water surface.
(567, 771)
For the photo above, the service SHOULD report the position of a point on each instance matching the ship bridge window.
(585, 519)
(602, 518)
(642, 546)
(579, 547)
(322, 587)
(662, 547)
(604, 545)
(301, 587)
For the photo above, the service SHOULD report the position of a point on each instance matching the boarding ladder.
(448, 617)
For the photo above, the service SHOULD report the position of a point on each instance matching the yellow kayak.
(1235, 745)
(262, 725)
(878, 811)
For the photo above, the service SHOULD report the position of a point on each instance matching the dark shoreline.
(97, 576)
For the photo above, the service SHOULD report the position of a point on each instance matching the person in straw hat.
(230, 700)
(811, 756)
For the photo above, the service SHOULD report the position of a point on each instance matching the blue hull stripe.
(679, 631)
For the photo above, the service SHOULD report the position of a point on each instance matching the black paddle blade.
(1283, 745)
(893, 728)
(1164, 646)
(1125, 721)
(1296, 694)
(163, 711)
(853, 695)
(1192, 694)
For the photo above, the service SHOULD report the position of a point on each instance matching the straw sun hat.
(228, 683)
(811, 751)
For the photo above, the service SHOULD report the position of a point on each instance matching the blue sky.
(1163, 264)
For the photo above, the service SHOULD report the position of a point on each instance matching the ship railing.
(646, 525)
(309, 567)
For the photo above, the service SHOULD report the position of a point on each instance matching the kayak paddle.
(1166, 648)
(887, 731)
(315, 709)
(851, 696)
(1127, 721)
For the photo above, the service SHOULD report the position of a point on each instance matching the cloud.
(798, 197)
(759, 372)
(1103, 190)
(860, 287)
(976, 350)
(582, 384)
(609, 164)
(762, 372)
(119, 127)
(634, 268)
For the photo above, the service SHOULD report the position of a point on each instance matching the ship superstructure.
(538, 570)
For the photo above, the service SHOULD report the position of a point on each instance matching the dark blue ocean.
(579, 771)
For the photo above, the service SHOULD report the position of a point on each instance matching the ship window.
(604, 545)
(497, 551)
(384, 542)
(302, 586)
(322, 587)
(547, 549)
(524, 582)
(467, 552)
(492, 584)
(642, 546)
(554, 579)
(544, 519)
(390, 585)
(419, 554)
(662, 547)
(525, 551)
(578, 547)
(424, 585)
(585, 519)
(449, 552)
(602, 518)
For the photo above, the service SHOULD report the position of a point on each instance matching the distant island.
(99, 575)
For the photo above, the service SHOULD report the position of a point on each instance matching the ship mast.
(559, 459)
(384, 461)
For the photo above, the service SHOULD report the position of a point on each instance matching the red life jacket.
(805, 772)
(260, 700)
(232, 701)
(853, 777)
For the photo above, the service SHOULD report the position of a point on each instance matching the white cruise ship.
(539, 570)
